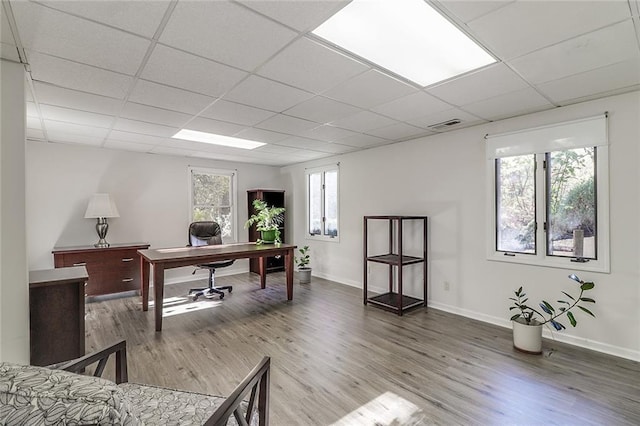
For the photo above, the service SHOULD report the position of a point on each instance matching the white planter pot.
(304, 275)
(527, 338)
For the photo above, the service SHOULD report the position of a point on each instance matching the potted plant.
(267, 220)
(528, 322)
(302, 261)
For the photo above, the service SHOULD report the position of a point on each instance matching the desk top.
(57, 276)
(226, 251)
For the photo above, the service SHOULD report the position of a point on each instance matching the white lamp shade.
(101, 205)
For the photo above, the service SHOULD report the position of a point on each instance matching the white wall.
(150, 191)
(443, 177)
(14, 289)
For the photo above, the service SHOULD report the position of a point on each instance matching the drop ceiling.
(128, 75)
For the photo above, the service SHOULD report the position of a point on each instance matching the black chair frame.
(205, 233)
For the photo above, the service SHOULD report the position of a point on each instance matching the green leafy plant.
(303, 260)
(266, 219)
(551, 314)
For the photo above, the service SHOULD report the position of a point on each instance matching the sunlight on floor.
(182, 305)
(386, 409)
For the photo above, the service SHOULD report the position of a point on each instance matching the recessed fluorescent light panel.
(196, 136)
(407, 37)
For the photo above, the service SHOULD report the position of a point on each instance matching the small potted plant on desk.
(304, 271)
(528, 322)
(267, 220)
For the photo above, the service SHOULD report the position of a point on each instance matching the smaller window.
(323, 203)
(212, 197)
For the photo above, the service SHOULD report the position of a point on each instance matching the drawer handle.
(127, 280)
(80, 264)
(127, 259)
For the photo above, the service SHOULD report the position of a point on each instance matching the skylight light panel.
(407, 37)
(196, 136)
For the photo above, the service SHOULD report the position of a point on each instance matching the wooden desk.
(56, 314)
(168, 258)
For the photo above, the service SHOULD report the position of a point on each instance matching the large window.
(549, 195)
(212, 197)
(322, 202)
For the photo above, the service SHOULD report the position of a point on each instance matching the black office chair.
(207, 233)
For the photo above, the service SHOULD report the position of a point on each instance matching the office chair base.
(209, 292)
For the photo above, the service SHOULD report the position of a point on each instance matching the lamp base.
(101, 228)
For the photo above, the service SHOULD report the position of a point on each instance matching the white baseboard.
(559, 337)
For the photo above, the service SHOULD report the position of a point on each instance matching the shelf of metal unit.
(395, 301)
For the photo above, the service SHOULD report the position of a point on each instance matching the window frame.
(233, 195)
(322, 170)
(524, 143)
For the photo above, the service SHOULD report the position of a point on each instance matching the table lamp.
(101, 206)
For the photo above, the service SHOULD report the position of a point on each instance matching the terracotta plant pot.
(527, 338)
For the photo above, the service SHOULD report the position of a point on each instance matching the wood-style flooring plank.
(336, 361)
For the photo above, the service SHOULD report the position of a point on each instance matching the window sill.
(551, 262)
(322, 238)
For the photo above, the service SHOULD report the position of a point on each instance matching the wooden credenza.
(56, 314)
(111, 269)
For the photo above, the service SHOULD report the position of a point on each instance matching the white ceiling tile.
(509, 105)
(236, 113)
(363, 121)
(275, 149)
(191, 145)
(580, 54)
(34, 134)
(213, 126)
(397, 131)
(187, 71)
(469, 10)
(6, 36)
(158, 95)
(9, 51)
(286, 124)
(369, 89)
(134, 126)
(336, 148)
(126, 146)
(304, 143)
(317, 68)
(72, 138)
(171, 151)
(32, 111)
(260, 135)
(34, 123)
(430, 119)
(225, 32)
(154, 115)
(327, 133)
(53, 95)
(266, 94)
(66, 36)
(486, 83)
(136, 137)
(524, 26)
(50, 112)
(76, 76)
(363, 141)
(598, 81)
(321, 110)
(412, 106)
(301, 15)
(59, 127)
(306, 155)
(139, 17)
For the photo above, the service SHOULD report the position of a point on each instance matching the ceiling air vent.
(445, 124)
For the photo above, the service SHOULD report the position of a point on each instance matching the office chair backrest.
(205, 233)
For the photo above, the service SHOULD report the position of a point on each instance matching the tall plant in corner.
(528, 321)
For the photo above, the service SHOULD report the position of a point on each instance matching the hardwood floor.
(335, 361)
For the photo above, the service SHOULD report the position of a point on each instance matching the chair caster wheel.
(221, 296)
(230, 289)
(195, 298)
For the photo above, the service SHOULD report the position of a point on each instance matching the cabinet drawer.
(111, 270)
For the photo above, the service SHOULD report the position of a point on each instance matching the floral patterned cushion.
(162, 406)
(37, 396)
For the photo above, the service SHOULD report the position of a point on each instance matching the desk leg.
(263, 271)
(158, 293)
(144, 282)
(288, 266)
